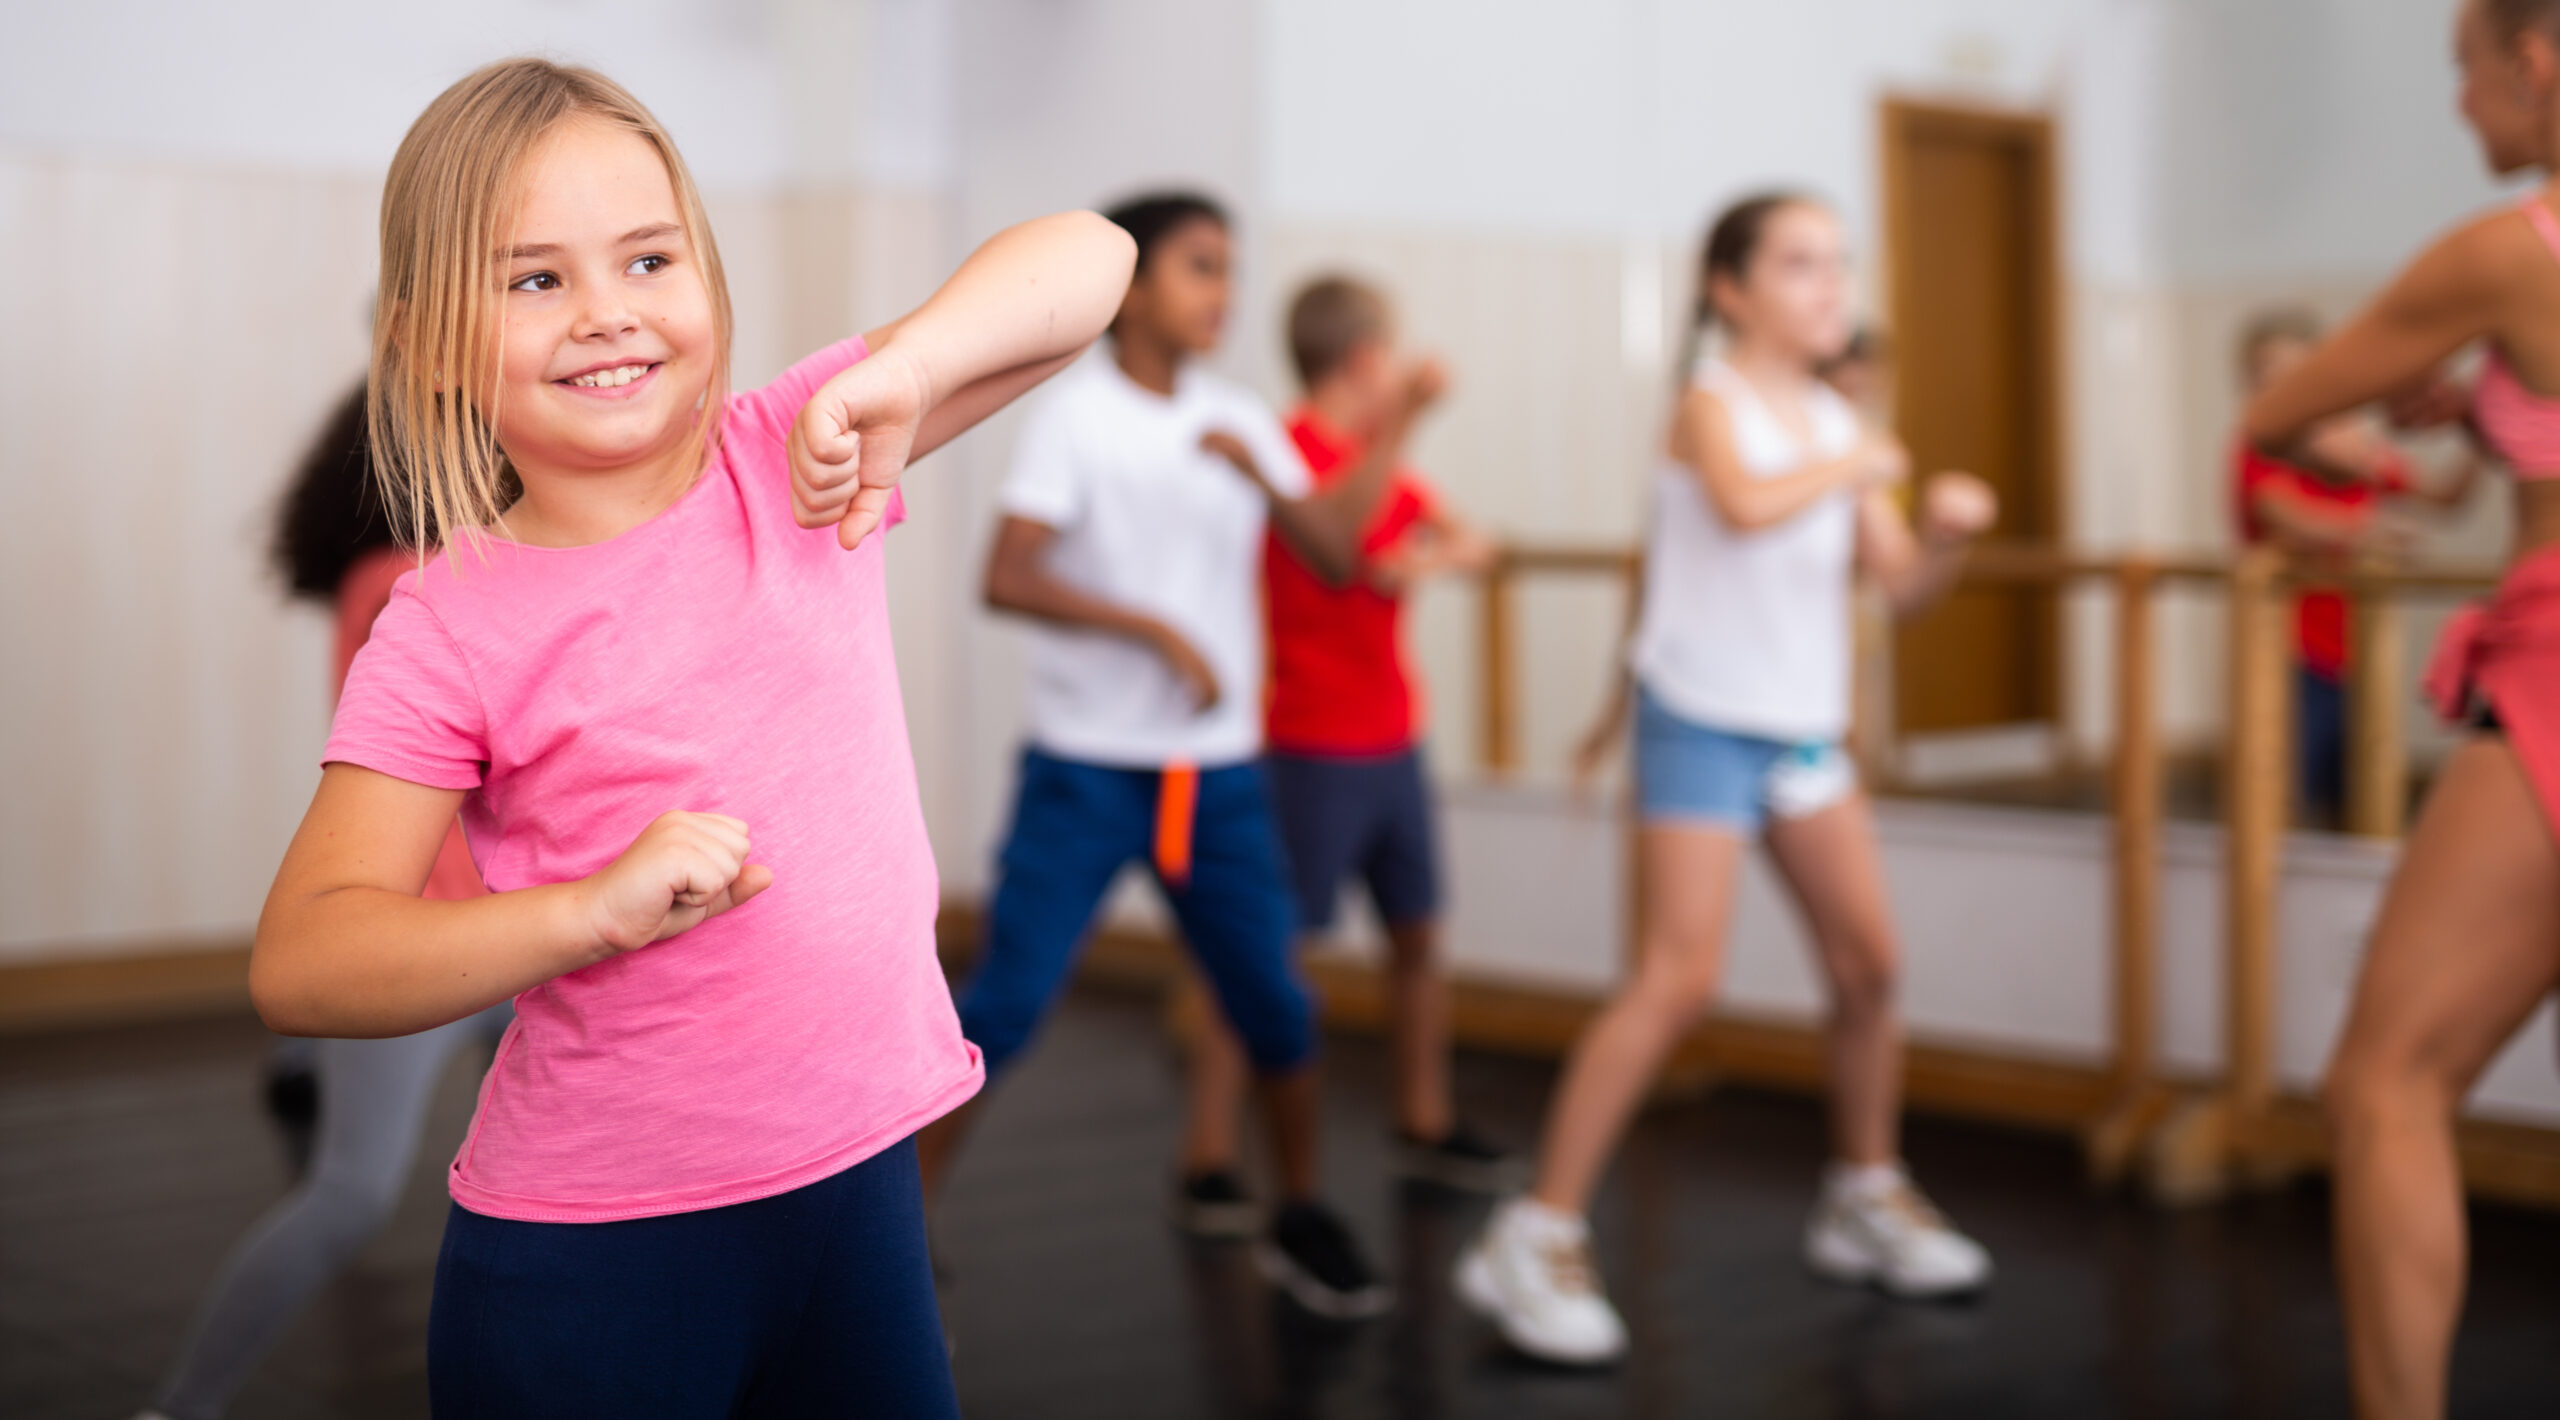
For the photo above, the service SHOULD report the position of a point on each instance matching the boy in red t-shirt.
(2333, 501)
(1344, 714)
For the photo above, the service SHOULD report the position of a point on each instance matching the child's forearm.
(365, 962)
(1325, 526)
(1748, 504)
(1030, 591)
(1929, 574)
(1033, 296)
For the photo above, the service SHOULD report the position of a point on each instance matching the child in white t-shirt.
(1132, 537)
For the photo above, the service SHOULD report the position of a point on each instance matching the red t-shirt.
(2319, 618)
(1339, 683)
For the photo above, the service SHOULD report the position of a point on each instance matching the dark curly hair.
(333, 513)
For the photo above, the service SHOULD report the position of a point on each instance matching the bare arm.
(1702, 439)
(1916, 565)
(1325, 526)
(1019, 581)
(2445, 299)
(2308, 525)
(346, 947)
(1021, 308)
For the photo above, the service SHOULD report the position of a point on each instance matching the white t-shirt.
(1748, 632)
(1147, 520)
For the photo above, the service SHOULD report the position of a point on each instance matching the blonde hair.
(448, 206)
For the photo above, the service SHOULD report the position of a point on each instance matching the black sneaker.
(1215, 1205)
(1461, 1159)
(1311, 1256)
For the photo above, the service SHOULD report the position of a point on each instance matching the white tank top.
(1748, 632)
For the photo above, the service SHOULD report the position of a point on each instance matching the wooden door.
(1969, 247)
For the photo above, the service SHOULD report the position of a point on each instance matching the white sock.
(1541, 1220)
(1864, 1183)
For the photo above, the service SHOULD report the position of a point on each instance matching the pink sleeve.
(409, 708)
(772, 408)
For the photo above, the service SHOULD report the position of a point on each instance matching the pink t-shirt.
(718, 658)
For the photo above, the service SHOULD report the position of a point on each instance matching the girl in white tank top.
(1770, 496)
(1748, 631)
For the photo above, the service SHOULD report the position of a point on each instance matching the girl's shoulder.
(769, 410)
(2485, 253)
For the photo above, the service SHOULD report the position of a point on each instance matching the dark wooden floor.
(130, 1159)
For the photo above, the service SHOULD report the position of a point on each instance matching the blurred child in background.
(2330, 501)
(1771, 497)
(1344, 726)
(1132, 540)
(333, 542)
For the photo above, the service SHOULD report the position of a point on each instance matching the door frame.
(1900, 118)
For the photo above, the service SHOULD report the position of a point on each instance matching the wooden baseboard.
(159, 983)
(2190, 1151)
(2511, 1163)
(1543, 1023)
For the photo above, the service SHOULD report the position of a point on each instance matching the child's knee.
(1279, 1032)
(2373, 1077)
(1866, 975)
(1678, 993)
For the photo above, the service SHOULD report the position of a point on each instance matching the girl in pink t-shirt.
(652, 671)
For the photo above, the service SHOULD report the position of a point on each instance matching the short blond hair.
(1328, 319)
(448, 205)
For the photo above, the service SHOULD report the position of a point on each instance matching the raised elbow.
(279, 999)
(1740, 514)
(997, 590)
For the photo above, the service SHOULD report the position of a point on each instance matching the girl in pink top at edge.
(2467, 944)
(651, 669)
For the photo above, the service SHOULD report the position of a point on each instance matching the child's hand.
(1398, 569)
(1424, 383)
(1957, 506)
(850, 444)
(1883, 461)
(683, 869)
(2429, 404)
(1188, 666)
(1227, 446)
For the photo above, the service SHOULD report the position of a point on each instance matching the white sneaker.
(1874, 1225)
(1530, 1274)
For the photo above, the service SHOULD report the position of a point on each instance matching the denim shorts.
(1692, 773)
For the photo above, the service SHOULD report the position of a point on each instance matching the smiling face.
(1792, 294)
(2507, 89)
(609, 339)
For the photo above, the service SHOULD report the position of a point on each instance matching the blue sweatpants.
(1075, 826)
(817, 1302)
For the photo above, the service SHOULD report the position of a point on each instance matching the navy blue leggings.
(816, 1302)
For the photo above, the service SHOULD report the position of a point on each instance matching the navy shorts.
(816, 1302)
(1369, 817)
(1075, 826)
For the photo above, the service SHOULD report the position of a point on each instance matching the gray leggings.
(373, 1102)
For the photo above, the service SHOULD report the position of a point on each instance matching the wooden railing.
(2227, 1132)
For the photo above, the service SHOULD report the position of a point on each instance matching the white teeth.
(614, 378)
